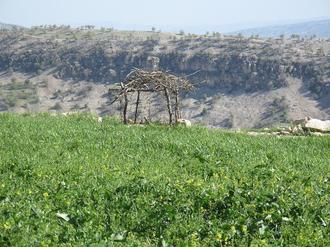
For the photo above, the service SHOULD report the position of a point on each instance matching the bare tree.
(138, 81)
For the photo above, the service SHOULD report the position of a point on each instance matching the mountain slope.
(241, 82)
(319, 28)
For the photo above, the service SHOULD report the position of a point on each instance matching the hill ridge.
(244, 80)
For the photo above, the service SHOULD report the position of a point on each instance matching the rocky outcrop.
(317, 125)
(230, 63)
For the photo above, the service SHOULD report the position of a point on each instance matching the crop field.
(72, 181)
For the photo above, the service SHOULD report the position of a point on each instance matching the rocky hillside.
(241, 82)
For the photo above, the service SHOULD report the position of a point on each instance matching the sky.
(224, 15)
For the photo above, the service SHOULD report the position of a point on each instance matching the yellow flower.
(233, 229)
(309, 190)
(7, 225)
(218, 237)
(190, 181)
(194, 239)
(198, 183)
(244, 229)
(44, 244)
(45, 194)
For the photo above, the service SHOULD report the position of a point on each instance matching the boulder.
(284, 132)
(65, 114)
(317, 125)
(184, 122)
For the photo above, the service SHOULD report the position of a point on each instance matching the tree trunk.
(137, 106)
(177, 109)
(125, 108)
(169, 107)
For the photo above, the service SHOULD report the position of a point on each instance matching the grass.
(158, 186)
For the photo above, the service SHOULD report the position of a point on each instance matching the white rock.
(284, 132)
(184, 122)
(69, 113)
(318, 125)
(63, 216)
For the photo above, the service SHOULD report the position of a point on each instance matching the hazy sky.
(160, 13)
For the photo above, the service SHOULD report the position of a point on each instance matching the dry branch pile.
(153, 81)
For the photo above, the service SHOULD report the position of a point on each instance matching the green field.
(158, 185)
